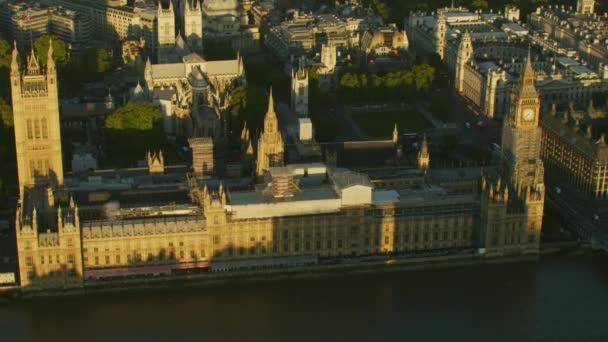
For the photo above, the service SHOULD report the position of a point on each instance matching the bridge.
(576, 221)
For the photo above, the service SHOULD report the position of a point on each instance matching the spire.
(243, 131)
(15, 60)
(466, 37)
(395, 134)
(528, 71)
(270, 104)
(33, 66)
(171, 5)
(50, 58)
(424, 149)
(590, 109)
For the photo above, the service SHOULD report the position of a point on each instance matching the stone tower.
(299, 89)
(329, 56)
(465, 51)
(36, 121)
(585, 6)
(270, 143)
(193, 25)
(521, 132)
(512, 211)
(440, 32)
(166, 27)
(424, 158)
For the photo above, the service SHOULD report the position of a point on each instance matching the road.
(578, 211)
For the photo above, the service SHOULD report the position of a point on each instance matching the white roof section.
(308, 201)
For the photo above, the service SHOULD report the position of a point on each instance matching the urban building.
(306, 33)
(574, 145)
(113, 22)
(227, 20)
(143, 222)
(34, 92)
(25, 22)
(485, 60)
(299, 89)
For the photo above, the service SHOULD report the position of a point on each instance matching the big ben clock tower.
(521, 132)
(512, 213)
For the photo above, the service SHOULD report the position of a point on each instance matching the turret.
(465, 50)
(50, 60)
(440, 34)
(423, 156)
(395, 134)
(33, 65)
(15, 61)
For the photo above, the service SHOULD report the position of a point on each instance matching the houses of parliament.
(162, 218)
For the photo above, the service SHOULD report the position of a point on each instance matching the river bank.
(345, 269)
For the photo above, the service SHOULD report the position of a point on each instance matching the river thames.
(556, 299)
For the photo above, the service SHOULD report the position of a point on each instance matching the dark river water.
(556, 299)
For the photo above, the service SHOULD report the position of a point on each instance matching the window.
(50, 259)
(37, 129)
(181, 254)
(70, 259)
(107, 259)
(318, 245)
(58, 259)
(42, 260)
(329, 244)
(96, 260)
(118, 259)
(30, 134)
(45, 133)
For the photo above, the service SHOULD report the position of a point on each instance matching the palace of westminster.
(295, 201)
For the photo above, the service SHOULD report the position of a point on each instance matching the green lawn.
(380, 125)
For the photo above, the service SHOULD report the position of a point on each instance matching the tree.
(134, 128)
(94, 64)
(5, 61)
(60, 49)
(248, 103)
(479, 4)
(6, 115)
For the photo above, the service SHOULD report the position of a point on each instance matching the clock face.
(528, 114)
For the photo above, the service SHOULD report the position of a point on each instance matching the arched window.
(30, 134)
(37, 129)
(45, 133)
